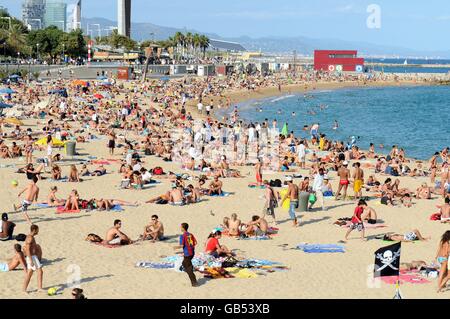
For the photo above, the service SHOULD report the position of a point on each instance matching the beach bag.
(21, 237)
(84, 204)
(229, 262)
(158, 171)
(278, 183)
(312, 199)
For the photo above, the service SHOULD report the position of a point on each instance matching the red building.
(333, 60)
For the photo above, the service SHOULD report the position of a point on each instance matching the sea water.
(414, 118)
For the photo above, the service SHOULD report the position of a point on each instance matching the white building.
(124, 17)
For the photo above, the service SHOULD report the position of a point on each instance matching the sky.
(419, 25)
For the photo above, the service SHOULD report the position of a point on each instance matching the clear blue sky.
(422, 25)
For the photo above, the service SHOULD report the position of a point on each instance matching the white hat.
(289, 179)
(345, 163)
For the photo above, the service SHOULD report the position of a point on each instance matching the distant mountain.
(280, 45)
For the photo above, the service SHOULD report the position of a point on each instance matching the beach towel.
(60, 210)
(241, 273)
(101, 162)
(254, 185)
(405, 278)
(320, 248)
(224, 194)
(42, 205)
(107, 245)
(153, 265)
(117, 208)
(367, 226)
(61, 180)
(264, 237)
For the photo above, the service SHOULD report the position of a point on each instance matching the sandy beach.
(111, 273)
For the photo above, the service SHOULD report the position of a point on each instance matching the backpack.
(84, 204)
(278, 183)
(21, 237)
(158, 171)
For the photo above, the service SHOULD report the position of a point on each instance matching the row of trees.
(50, 43)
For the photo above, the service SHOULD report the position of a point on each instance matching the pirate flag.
(387, 261)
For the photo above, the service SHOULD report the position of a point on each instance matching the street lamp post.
(64, 55)
(37, 51)
(18, 58)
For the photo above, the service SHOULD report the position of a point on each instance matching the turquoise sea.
(415, 118)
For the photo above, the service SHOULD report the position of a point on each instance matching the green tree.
(49, 41)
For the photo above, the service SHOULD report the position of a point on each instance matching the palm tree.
(197, 42)
(189, 40)
(179, 40)
(16, 39)
(204, 44)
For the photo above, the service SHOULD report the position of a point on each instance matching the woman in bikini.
(72, 202)
(29, 149)
(442, 259)
(74, 176)
(56, 172)
(52, 200)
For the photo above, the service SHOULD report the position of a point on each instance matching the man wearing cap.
(344, 174)
(318, 186)
(293, 195)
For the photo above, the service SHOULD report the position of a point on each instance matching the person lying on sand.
(413, 265)
(408, 237)
(14, 262)
(116, 237)
(154, 231)
(213, 246)
(258, 226)
(161, 199)
(52, 200)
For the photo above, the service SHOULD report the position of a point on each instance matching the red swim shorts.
(344, 182)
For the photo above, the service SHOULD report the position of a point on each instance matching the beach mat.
(42, 205)
(107, 245)
(224, 194)
(368, 226)
(321, 248)
(256, 186)
(60, 210)
(405, 278)
(117, 208)
(153, 265)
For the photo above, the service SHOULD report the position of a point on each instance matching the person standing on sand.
(433, 167)
(188, 243)
(358, 180)
(442, 259)
(292, 193)
(111, 142)
(258, 173)
(32, 194)
(357, 221)
(343, 174)
(271, 202)
(33, 255)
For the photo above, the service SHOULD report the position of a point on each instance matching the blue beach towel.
(224, 194)
(152, 265)
(117, 208)
(320, 248)
(42, 205)
(265, 237)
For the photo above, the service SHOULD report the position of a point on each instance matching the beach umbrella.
(5, 106)
(165, 79)
(14, 76)
(7, 91)
(56, 142)
(80, 82)
(14, 121)
(99, 96)
(102, 77)
(14, 113)
(284, 131)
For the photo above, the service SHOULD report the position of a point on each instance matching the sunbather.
(258, 226)
(52, 200)
(154, 231)
(15, 261)
(408, 237)
(213, 246)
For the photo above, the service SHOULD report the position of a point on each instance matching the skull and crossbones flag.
(387, 261)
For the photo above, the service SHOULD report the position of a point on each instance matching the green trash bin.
(303, 202)
(70, 148)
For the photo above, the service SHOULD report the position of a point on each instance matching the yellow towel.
(241, 273)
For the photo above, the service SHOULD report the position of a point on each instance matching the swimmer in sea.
(293, 114)
(336, 125)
